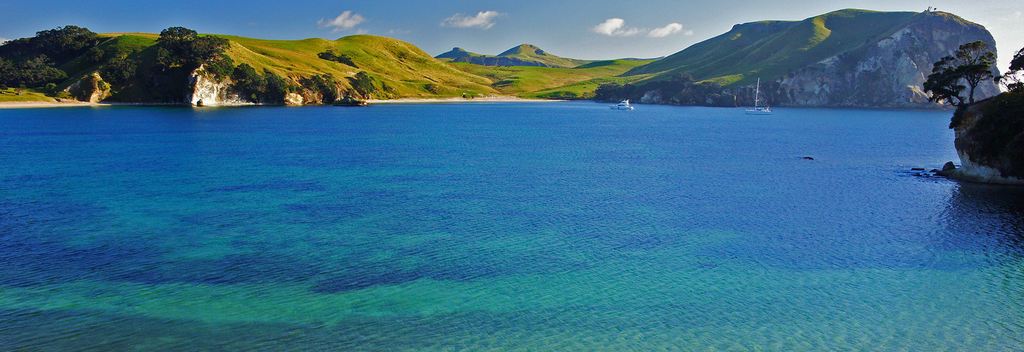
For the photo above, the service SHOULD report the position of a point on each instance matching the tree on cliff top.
(179, 46)
(971, 63)
(1011, 79)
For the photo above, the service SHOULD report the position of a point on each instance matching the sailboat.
(759, 110)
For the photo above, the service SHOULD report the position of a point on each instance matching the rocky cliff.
(889, 72)
(990, 140)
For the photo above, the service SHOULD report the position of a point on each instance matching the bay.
(499, 226)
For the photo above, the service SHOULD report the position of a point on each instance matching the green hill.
(521, 55)
(770, 49)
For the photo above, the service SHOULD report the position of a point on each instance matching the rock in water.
(990, 140)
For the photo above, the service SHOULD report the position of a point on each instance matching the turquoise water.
(498, 226)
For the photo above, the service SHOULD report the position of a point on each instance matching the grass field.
(555, 83)
(11, 95)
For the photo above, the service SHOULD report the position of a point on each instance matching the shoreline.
(487, 99)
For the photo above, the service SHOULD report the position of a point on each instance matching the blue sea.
(562, 226)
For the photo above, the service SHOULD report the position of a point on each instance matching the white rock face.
(208, 92)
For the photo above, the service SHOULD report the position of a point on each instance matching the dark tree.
(971, 64)
(94, 55)
(119, 71)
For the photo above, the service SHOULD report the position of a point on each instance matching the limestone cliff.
(990, 140)
(887, 73)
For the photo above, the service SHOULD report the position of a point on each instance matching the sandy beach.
(44, 104)
(488, 99)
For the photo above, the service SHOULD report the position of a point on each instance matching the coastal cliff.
(990, 140)
(846, 58)
(887, 73)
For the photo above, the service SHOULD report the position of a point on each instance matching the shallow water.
(499, 226)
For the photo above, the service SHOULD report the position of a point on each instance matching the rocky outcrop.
(888, 73)
(990, 140)
(90, 89)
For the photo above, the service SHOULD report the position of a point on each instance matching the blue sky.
(576, 29)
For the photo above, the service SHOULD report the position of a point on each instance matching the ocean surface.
(499, 227)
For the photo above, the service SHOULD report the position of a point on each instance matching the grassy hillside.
(411, 72)
(771, 49)
(556, 83)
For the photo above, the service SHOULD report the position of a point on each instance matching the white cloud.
(616, 27)
(482, 20)
(611, 26)
(345, 21)
(671, 28)
(4, 40)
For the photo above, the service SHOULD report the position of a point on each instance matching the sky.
(590, 30)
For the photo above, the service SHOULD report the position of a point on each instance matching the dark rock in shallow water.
(807, 158)
(947, 169)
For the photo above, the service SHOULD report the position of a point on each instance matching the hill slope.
(403, 67)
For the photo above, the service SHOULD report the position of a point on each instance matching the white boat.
(624, 105)
(758, 110)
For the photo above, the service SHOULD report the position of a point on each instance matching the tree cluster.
(970, 64)
(263, 89)
(324, 85)
(329, 55)
(183, 47)
(365, 86)
(33, 62)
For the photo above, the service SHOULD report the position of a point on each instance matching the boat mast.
(757, 92)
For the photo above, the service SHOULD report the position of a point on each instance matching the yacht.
(624, 105)
(759, 110)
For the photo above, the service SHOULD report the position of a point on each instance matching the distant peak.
(523, 49)
(456, 52)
